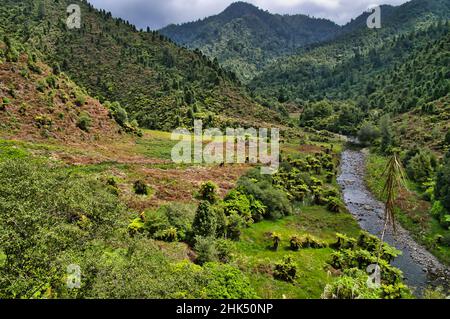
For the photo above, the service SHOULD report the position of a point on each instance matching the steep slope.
(160, 84)
(37, 103)
(244, 38)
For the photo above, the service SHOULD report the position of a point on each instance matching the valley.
(89, 180)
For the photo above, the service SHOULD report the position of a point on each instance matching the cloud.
(159, 13)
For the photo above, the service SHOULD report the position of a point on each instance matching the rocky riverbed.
(420, 268)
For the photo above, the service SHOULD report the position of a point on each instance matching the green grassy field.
(255, 256)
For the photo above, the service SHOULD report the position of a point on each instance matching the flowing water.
(420, 268)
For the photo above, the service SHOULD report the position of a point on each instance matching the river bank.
(420, 268)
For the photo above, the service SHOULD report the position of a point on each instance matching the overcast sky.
(159, 13)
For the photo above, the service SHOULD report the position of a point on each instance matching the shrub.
(442, 191)
(224, 249)
(308, 241)
(351, 285)
(117, 112)
(4, 102)
(234, 224)
(275, 200)
(208, 192)
(205, 248)
(227, 282)
(43, 121)
(169, 234)
(140, 188)
(84, 121)
(335, 205)
(80, 100)
(286, 270)
(237, 203)
(420, 167)
(395, 291)
(136, 226)
(180, 216)
(368, 134)
(205, 221)
(49, 205)
(295, 243)
(447, 138)
(276, 239)
(155, 222)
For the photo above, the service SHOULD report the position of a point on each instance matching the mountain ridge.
(244, 38)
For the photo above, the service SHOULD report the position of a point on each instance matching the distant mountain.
(160, 84)
(402, 68)
(245, 38)
(314, 72)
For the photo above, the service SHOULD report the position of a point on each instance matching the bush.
(351, 285)
(208, 192)
(295, 243)
(276, 239)
(286, 270)
(227, 282)
(169, 234)
(205, 221)
(335, 205)
(224, 249)
(140, 188)
(442, 191)
(117, 112)
(84, 122)
(447, 138)
(275, 200)
(205, 248)
(179, 216)
(368, 134)
(80, 100)
(49, 205)
(420, 167)
(155, 222)
(43, 121)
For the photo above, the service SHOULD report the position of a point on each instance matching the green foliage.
(145, 72)
(368, 133)
(118, 113)
(262, 189)
(286, 270)
(140, 188)
(276, 239)
(51, 208)
(205, 248)
(80, 99)
(420, 168)
(365, 251)
(447, 138)
(208, 192)
(242, 37)
(442, 191)
(155, 223)
(227, 282)
(386, 134)
(205, 221)
(84, 121)
(180, 216)
(351, 285)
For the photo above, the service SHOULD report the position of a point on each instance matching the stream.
(420, 268)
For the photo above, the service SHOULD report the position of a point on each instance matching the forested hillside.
(161, 85)
(401, 67)
(245, 38)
